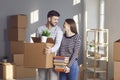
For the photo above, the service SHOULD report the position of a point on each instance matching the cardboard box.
(16, 34)
(21, 72)
(18, 21)
(1, 71)
(18, 59)
(116, 70)
(6, 71)
(35, 57)
(117, 50)
(38, 40)
(16, 47)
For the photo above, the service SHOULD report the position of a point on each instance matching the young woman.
(70, 47)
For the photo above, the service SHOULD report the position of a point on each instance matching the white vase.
(92, 48)
(44, 39)
(4, 60)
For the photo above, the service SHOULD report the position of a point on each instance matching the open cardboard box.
(116, 70)
(38, 40)
(117, 50)
(35, 57)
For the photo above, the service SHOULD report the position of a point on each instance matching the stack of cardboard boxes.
(117, 60)
(17, 27)
(16, 36)
(27, 56)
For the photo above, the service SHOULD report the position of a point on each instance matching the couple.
(67, 44)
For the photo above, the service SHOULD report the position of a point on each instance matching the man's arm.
(37, 33)
(57, 41)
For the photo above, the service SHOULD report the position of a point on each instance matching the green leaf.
(46, 33)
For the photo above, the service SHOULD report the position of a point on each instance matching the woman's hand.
(48, 50)
(67, 69)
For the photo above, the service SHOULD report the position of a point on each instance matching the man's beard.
(52, 24)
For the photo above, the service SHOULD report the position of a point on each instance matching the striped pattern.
(70, 47)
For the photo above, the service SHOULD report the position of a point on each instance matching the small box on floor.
(6, 71)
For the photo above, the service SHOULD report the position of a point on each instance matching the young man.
(56, 34)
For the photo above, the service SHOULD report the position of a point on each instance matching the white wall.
(92, 9)
(112, 22)
(12, 7)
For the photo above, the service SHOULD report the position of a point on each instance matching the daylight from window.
(102, 20)
(102, 14)
(34, 16)
(76, 2)
(76, 18)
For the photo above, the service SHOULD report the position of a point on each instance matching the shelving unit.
(97, 58)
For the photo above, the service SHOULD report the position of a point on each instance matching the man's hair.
(53, 13)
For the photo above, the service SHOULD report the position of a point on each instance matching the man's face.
(53, 20)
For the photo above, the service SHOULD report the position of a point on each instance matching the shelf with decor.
(96, 54)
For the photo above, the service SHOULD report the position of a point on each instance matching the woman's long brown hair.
(72, 24)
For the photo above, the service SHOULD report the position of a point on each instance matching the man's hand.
(48, 50)
(67, 69)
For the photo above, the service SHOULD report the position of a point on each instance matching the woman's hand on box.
(48, 50)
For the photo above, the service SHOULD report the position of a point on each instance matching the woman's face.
(66, 26)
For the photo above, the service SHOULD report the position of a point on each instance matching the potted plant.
(92, 45)
(45, 35)
(5, 58)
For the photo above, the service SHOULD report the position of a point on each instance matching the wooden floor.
(24, 79)
(27, 79)
(32, 78)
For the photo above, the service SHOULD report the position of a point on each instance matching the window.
(34, 16)
(102, 13)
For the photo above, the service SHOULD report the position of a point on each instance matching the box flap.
(118, 40)
(38, 40)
